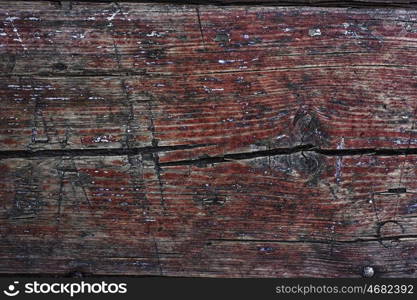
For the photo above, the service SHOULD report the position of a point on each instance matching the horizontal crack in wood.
(359, 240)
(94, 152)
(286, 151)
(203, 160)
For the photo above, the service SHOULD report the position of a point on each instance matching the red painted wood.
(247, 79)
(286, 215)
(240, 140)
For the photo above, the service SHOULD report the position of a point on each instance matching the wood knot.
(307, 129)
(309, 163)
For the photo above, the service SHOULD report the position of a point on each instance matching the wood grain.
(288, 215)
(201, 140)
(246, 79)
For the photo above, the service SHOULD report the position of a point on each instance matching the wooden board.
(303, 214)
(200, 140)
(245, 79)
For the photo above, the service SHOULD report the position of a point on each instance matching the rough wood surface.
(233, 79)
(288, 215)
(186, 140)
(321, 3)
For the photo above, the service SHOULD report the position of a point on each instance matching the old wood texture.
(191, 140)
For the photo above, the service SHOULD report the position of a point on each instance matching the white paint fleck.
(78, 36)
(113, 15)
(314, 32)
(339, 161)
(11, 19)
(102, 139)
(155, 33)
(405, 141)
(18, 38)
(209, 90)
(57, 98)
(227, 61)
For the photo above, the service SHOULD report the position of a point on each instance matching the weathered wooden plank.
(288, 215)
(240, 78)
(233, 113)
(242, 260)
